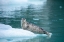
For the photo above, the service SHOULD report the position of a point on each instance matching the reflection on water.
(36, 39)
(49, 16)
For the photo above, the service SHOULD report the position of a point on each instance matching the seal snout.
(23, 18)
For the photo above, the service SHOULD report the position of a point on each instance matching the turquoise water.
(48, 15)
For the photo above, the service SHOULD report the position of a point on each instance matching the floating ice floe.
(35, 19)
(6, 31)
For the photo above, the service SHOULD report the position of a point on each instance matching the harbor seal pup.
(33, 28)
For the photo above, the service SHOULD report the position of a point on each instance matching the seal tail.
(47, 33)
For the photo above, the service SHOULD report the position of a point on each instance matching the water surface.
(48, 15)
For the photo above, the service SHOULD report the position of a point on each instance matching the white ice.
(7, 31)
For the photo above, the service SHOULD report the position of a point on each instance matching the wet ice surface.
(9, 34)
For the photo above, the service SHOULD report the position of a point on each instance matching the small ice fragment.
(35, 19)
(60, 6)
(60, 19)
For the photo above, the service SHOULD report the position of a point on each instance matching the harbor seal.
(33, 28)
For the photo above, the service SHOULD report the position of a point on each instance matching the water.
(47, 14)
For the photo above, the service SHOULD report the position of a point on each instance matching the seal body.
(31, 27)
